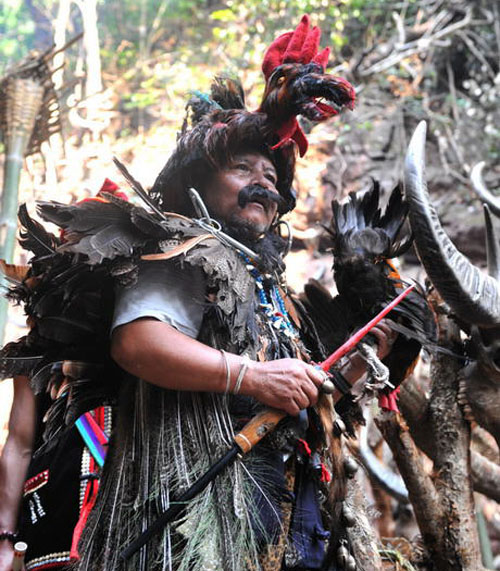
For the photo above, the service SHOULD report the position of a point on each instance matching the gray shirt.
(166, 292)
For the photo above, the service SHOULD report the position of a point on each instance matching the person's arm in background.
(14, 463)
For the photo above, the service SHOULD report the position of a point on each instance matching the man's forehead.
(254, 156)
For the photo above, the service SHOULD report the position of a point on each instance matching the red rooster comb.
(299, 46)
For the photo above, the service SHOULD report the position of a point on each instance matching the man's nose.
(261, 179)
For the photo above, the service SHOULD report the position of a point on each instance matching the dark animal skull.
(473, 297)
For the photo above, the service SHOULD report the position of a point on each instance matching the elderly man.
(161, 351)
(208, 336)
(212, 327)
(168, 331)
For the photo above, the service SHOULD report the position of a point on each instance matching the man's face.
(222, 189)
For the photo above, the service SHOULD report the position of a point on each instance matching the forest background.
(123, 85)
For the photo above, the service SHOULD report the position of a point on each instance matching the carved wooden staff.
(252, 433)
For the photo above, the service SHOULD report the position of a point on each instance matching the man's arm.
(14, 463)
(161, 355)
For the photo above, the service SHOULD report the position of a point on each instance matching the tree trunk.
(93, 83)
(421, 490)
(60, 26)
(444, 503)
(415, 408)
(452, 462)
(364, 543)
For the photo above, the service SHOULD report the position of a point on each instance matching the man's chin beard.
(250, 229)
(259, 238)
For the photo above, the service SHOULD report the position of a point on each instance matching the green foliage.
(16, 32)
(235, 31)
(149, 93)
(264, 19)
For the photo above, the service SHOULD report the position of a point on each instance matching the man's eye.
(242, 166)
(272, 178)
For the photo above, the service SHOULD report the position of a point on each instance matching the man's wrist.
(237, 370)
(247, 387)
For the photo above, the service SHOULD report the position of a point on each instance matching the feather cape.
(68, 293)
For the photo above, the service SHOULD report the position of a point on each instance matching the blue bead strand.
(273, 305)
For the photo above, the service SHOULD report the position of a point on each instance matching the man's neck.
(268, 245)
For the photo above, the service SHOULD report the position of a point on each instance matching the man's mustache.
(257, 193)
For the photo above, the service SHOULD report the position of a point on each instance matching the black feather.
(33, 236)
(138, 189)
(146, 222)
(98, 230)
(228, 92)
(40, 379)
(18, 359)
(82, 218)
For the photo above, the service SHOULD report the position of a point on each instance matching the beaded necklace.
(271, 303)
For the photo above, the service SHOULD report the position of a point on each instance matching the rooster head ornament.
(296, 84)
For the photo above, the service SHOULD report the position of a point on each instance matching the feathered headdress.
(296, 84)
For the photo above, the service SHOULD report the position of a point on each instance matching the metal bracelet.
(243, 369)
(228, 370)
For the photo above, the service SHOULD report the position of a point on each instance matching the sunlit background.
(123, 84)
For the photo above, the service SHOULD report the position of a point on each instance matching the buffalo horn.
(492, 245)
(473, 296)
(476, 177)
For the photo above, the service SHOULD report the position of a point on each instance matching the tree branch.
(460, 549)
(421, 490)
(414, 406)
(417, 46)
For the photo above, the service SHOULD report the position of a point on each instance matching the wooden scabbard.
(255, 430)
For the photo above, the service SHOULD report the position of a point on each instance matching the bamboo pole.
(23, 99)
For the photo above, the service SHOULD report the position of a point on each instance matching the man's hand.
(357, 365)
(385, 338)
(287, 384)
